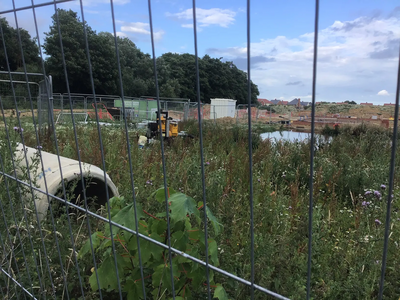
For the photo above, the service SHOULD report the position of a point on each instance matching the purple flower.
(383, 187)
(377, 194)
(259, 180)
(365, 204)
(18, 129)
(290, 207)
(207, 163)
(367, 193)
(39, 147)
(377, 222)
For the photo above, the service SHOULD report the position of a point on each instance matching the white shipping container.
(221, 108)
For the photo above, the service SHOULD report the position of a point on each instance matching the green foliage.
(176, 72)
(345, 233)
(218, 79)
(185, 236)
(30, 48)
(339, 108)
(351, 102)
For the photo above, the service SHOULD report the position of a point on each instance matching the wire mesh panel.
(192, 202)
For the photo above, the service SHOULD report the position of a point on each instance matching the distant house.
(366, 103)
(299, 104)
(339, 103)
(275, 102)
(264, 101)
(389, 104)
(295, 102)
(304, 104)
(283, 102)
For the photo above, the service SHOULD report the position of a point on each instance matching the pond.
(291, 136)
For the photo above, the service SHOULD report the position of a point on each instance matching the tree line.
(176, 72)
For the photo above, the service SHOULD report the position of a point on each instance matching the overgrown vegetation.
(350, 195)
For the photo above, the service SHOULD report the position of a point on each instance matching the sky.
(358, 47)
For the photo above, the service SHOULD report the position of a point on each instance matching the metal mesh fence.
(76, 219)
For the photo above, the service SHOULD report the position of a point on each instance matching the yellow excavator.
(169, 127)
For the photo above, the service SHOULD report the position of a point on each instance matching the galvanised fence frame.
(58, 280)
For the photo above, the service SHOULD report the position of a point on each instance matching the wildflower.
(377, 222)
(377, 194)
(39, 147)
(365, 203)
(18, 129)
(207, 163)
(289, 207)
(259, 180)
(383, 187)
(367, 193)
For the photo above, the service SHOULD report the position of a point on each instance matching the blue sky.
(358, 40)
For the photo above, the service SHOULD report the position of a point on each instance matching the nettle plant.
(186, 234)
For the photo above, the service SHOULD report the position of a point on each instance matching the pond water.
(291, 136)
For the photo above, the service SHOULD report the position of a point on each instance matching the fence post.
(50, 108)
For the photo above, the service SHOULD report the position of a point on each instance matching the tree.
(218, 79)
(30, 48)
(350, 102)
(74, 52)
(176, 72)
(136, 67)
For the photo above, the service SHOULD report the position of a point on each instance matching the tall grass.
(348, 225)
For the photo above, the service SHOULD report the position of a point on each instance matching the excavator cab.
(168, 126)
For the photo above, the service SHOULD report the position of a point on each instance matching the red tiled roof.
(366, 103)
(389, 104)
(264, 101)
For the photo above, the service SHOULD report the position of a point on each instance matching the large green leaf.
(125, 217)
(162, 275)
(160, 194)
(214, 222)
(179, 240)
(220, 293)
(96, 240)
(181, 206)
(107, 274)
(134, 289)
(148, 249)
(158, 226)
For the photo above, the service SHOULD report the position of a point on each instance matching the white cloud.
(383, 93)
(121, 34)
(206, 17)
(187, 25)
(139, 29)
(354, 59)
